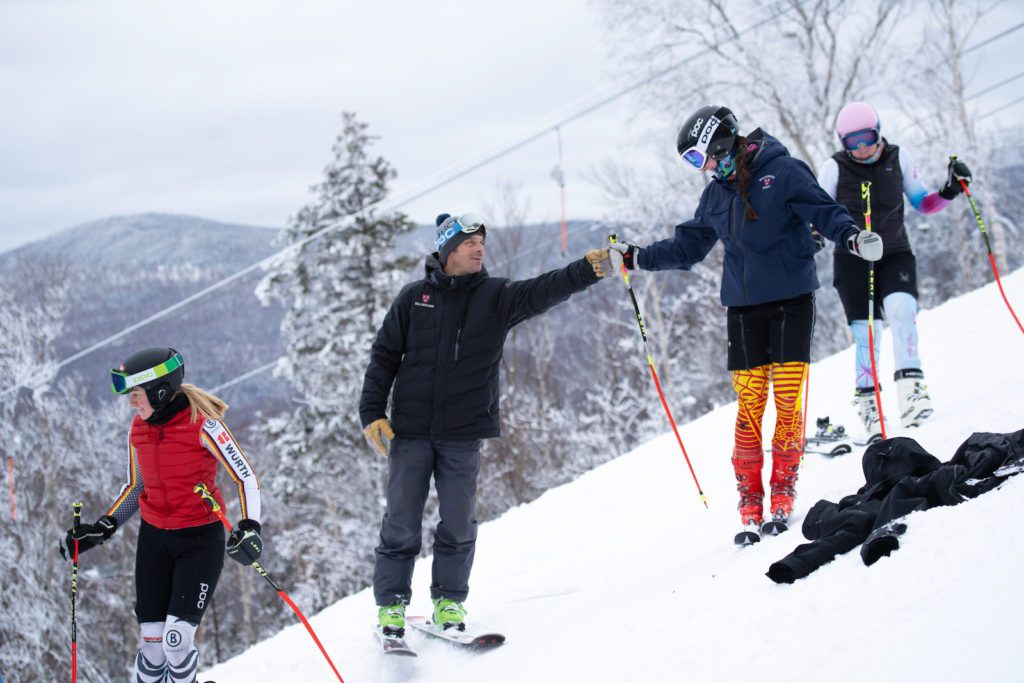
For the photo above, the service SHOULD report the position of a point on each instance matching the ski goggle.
(121, 382)
(467, 223)
(860, 138)
(695, 157)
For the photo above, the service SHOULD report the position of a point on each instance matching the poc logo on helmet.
(709, 129)
(695, 131)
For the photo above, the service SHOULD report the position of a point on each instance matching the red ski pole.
(205, 494)
(650, 361)
(75, 522)
(865, 194)
(988, 246)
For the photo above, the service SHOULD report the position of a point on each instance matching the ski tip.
(774, 528)
(488, 641)
(745, 538)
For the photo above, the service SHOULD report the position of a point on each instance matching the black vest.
(886, 178)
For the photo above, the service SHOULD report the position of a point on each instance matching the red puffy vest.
(172, 460)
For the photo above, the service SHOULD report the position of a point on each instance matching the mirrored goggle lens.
(121, 382)
(860, 138)
(470, 222)
(695, 157)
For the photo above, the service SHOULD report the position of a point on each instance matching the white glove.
(627, 254)
(867, 245)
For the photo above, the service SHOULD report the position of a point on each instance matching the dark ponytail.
(743, 176)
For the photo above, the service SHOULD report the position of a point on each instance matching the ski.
(774, 527)
(832, 440)
(471, 639)
(829, 449)
(393, 644)
(745, 538)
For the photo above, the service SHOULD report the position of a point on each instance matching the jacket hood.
(768, 148)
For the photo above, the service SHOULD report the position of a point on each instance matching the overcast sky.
(227, 109)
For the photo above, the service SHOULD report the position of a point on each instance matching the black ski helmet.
(162, 388)
(710, 132)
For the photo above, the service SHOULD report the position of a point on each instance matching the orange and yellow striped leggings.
(787, 380)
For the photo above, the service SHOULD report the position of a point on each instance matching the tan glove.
(378, 433)
(600, 262)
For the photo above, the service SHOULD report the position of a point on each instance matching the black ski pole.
(988, 246)
(75, 522)
(208, 498)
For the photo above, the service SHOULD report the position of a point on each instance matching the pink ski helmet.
(857, 125)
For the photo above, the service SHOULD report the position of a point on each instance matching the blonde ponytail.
(204, 403)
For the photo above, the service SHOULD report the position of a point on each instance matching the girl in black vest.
(867, 156)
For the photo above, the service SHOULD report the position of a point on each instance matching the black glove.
(244, 544)
(957, 171)
(88, 536)
(629, 253)
(819, 240)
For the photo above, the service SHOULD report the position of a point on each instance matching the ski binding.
(394, 643)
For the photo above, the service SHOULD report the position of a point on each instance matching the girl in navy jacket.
(763, 205)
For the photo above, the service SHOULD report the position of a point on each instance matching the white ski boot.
(915, 403)
(867, 410)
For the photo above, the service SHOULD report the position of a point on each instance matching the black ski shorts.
(893, 273)
(773, 332)
(176, 571)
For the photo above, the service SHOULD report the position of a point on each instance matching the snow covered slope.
(624, 576)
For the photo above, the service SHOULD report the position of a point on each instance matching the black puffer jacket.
(441, 343)
(900, 478)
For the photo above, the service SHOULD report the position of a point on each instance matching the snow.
(623, 575)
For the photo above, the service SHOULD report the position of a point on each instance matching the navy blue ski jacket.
(440, 345)
(768, 259)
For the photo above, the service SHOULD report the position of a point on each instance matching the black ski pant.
(176, 571)
(454, 466)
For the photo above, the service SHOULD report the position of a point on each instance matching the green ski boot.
(449, 614)
(391, 619)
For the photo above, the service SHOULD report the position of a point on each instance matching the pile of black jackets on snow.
(900, 478)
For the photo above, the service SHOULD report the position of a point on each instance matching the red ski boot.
(785, 465)
(747, 465)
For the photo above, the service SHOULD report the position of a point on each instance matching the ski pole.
(76, 520)
(988, 246)
(614, 255)
(865, 194)
(207, 497)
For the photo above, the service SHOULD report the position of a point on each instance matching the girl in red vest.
(176, 441)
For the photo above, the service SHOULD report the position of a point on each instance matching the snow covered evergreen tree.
(50, 441)
(336, 284)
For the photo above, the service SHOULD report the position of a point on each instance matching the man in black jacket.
(439, 349)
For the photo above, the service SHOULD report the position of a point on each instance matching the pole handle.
(615, 257)
(215, 508)
(865, 195)
(76, 521)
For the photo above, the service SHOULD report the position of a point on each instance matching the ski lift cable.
(999, 109)
(990, 39)
(993, 87)
(345, 220)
